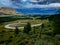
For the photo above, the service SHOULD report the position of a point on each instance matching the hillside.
(6, 11)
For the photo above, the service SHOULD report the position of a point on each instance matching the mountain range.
(20, 11)
(6, 11)
(38, 10)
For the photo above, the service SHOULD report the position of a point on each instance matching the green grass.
(23, 38)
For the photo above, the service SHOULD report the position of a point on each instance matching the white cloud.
(24, 0)
(35, 6)
(8, 3)
(5, 2)
(37, 0)
(56, 5)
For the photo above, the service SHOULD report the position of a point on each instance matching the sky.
(29, 3)
(32, 6)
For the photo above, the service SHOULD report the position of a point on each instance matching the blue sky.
(29, 3)
(32, 6)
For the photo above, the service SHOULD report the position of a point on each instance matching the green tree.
(41, 29)
(51, 18)
(16, 31)
(27, 28)
(34, 30)
(56, 24)
(3, 32)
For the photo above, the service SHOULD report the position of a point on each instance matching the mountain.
(22, 11)
(6, 11)
(38, 10)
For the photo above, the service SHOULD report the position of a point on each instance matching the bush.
(27, 28)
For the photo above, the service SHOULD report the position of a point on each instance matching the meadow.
(39, 35)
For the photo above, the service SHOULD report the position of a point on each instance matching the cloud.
(5, 3)
(37, 0)
(9, 3)
(24, 0)
(56, 5)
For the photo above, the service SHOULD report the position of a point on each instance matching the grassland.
(7, 36)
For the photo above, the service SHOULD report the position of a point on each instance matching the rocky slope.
(6, 11)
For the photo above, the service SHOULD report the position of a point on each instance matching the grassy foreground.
(35, 36)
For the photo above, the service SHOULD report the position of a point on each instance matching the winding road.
(9, 27)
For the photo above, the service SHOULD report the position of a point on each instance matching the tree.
(27, 28)
(51, 18)
(34, 30)
(55, 20)
(3, 32)
(41, 29)
(16, 31)
(56, 24)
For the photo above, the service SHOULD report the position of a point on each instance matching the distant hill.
(6, 11)
(42, 11)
